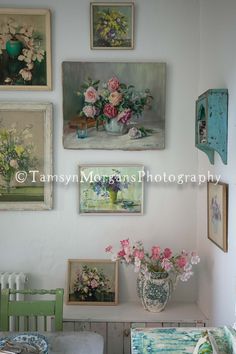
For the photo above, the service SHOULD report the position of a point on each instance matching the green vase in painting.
(13, 48)
(113, 196)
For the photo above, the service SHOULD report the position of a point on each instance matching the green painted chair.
(29, 314)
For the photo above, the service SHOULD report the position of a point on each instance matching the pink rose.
(139, 254)
(110, 111)
(115, 98)
(155, 252)
(91, 95)
(89, 111)
(182, 261)
(113, 84)
(166, 264)
(124, 116)
(121, 253)
(108, 249)
(94, 284)
(124, 243)
(167, 253)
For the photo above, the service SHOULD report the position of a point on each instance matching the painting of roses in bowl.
(123, 105)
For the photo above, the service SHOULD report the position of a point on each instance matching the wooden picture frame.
(111, 189)
(143, 131)
(25, 156)
(25, 49)
(120, 17)
(95, 281)
(217, 207)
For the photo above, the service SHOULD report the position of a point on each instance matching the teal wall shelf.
(211, 129)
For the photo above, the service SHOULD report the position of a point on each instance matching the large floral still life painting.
(25, 156)
(25, 56)
(114, 105)
(111, 189)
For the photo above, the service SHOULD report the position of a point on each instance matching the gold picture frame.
(25, 49)
(25, 156)
(92, 282)
(119, 36)
(217, 210)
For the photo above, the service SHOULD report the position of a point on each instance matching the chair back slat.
(36, 323)
(28, 313)
(17, 322)
(31, 308)
(45, 323)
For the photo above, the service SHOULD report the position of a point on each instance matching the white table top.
(134, 312)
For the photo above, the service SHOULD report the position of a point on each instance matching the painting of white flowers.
(217, 214)
(25, 156)
(114, 106)
(111, 189)
(25, 49)
(92, 282)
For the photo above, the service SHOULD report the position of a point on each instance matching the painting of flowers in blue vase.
(108, 189)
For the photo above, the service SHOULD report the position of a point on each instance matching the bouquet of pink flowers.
(156, 260)
(113, 100)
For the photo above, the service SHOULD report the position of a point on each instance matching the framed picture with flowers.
(114, 106)
(217, 206)
(111, 189)
(25, 49)
(92, 282)
(25, 156)
(112, 25)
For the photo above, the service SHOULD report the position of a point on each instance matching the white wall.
(39, 243)
(217, 275)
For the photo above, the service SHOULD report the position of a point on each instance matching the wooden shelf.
(134, 312)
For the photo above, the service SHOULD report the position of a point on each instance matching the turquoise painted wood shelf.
(211, 129)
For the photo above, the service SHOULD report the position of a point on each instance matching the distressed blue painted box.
(176, 340)
(211, 129)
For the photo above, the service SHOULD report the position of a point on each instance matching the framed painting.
(218, 214)
(25, 156)
(114, 106)
(25, 49)
(92, 282)
(112, 25)
(111, 189)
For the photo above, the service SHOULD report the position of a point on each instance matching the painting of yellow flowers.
(112, 25)
(25, 49)
(25, 156)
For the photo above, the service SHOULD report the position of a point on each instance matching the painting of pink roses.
(121, 105)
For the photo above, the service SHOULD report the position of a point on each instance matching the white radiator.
(13, 281)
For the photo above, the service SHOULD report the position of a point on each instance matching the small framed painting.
(25, 49)
(111, 189)
(112, 25)
(92, 282)
(25, 156)
(218, 214)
